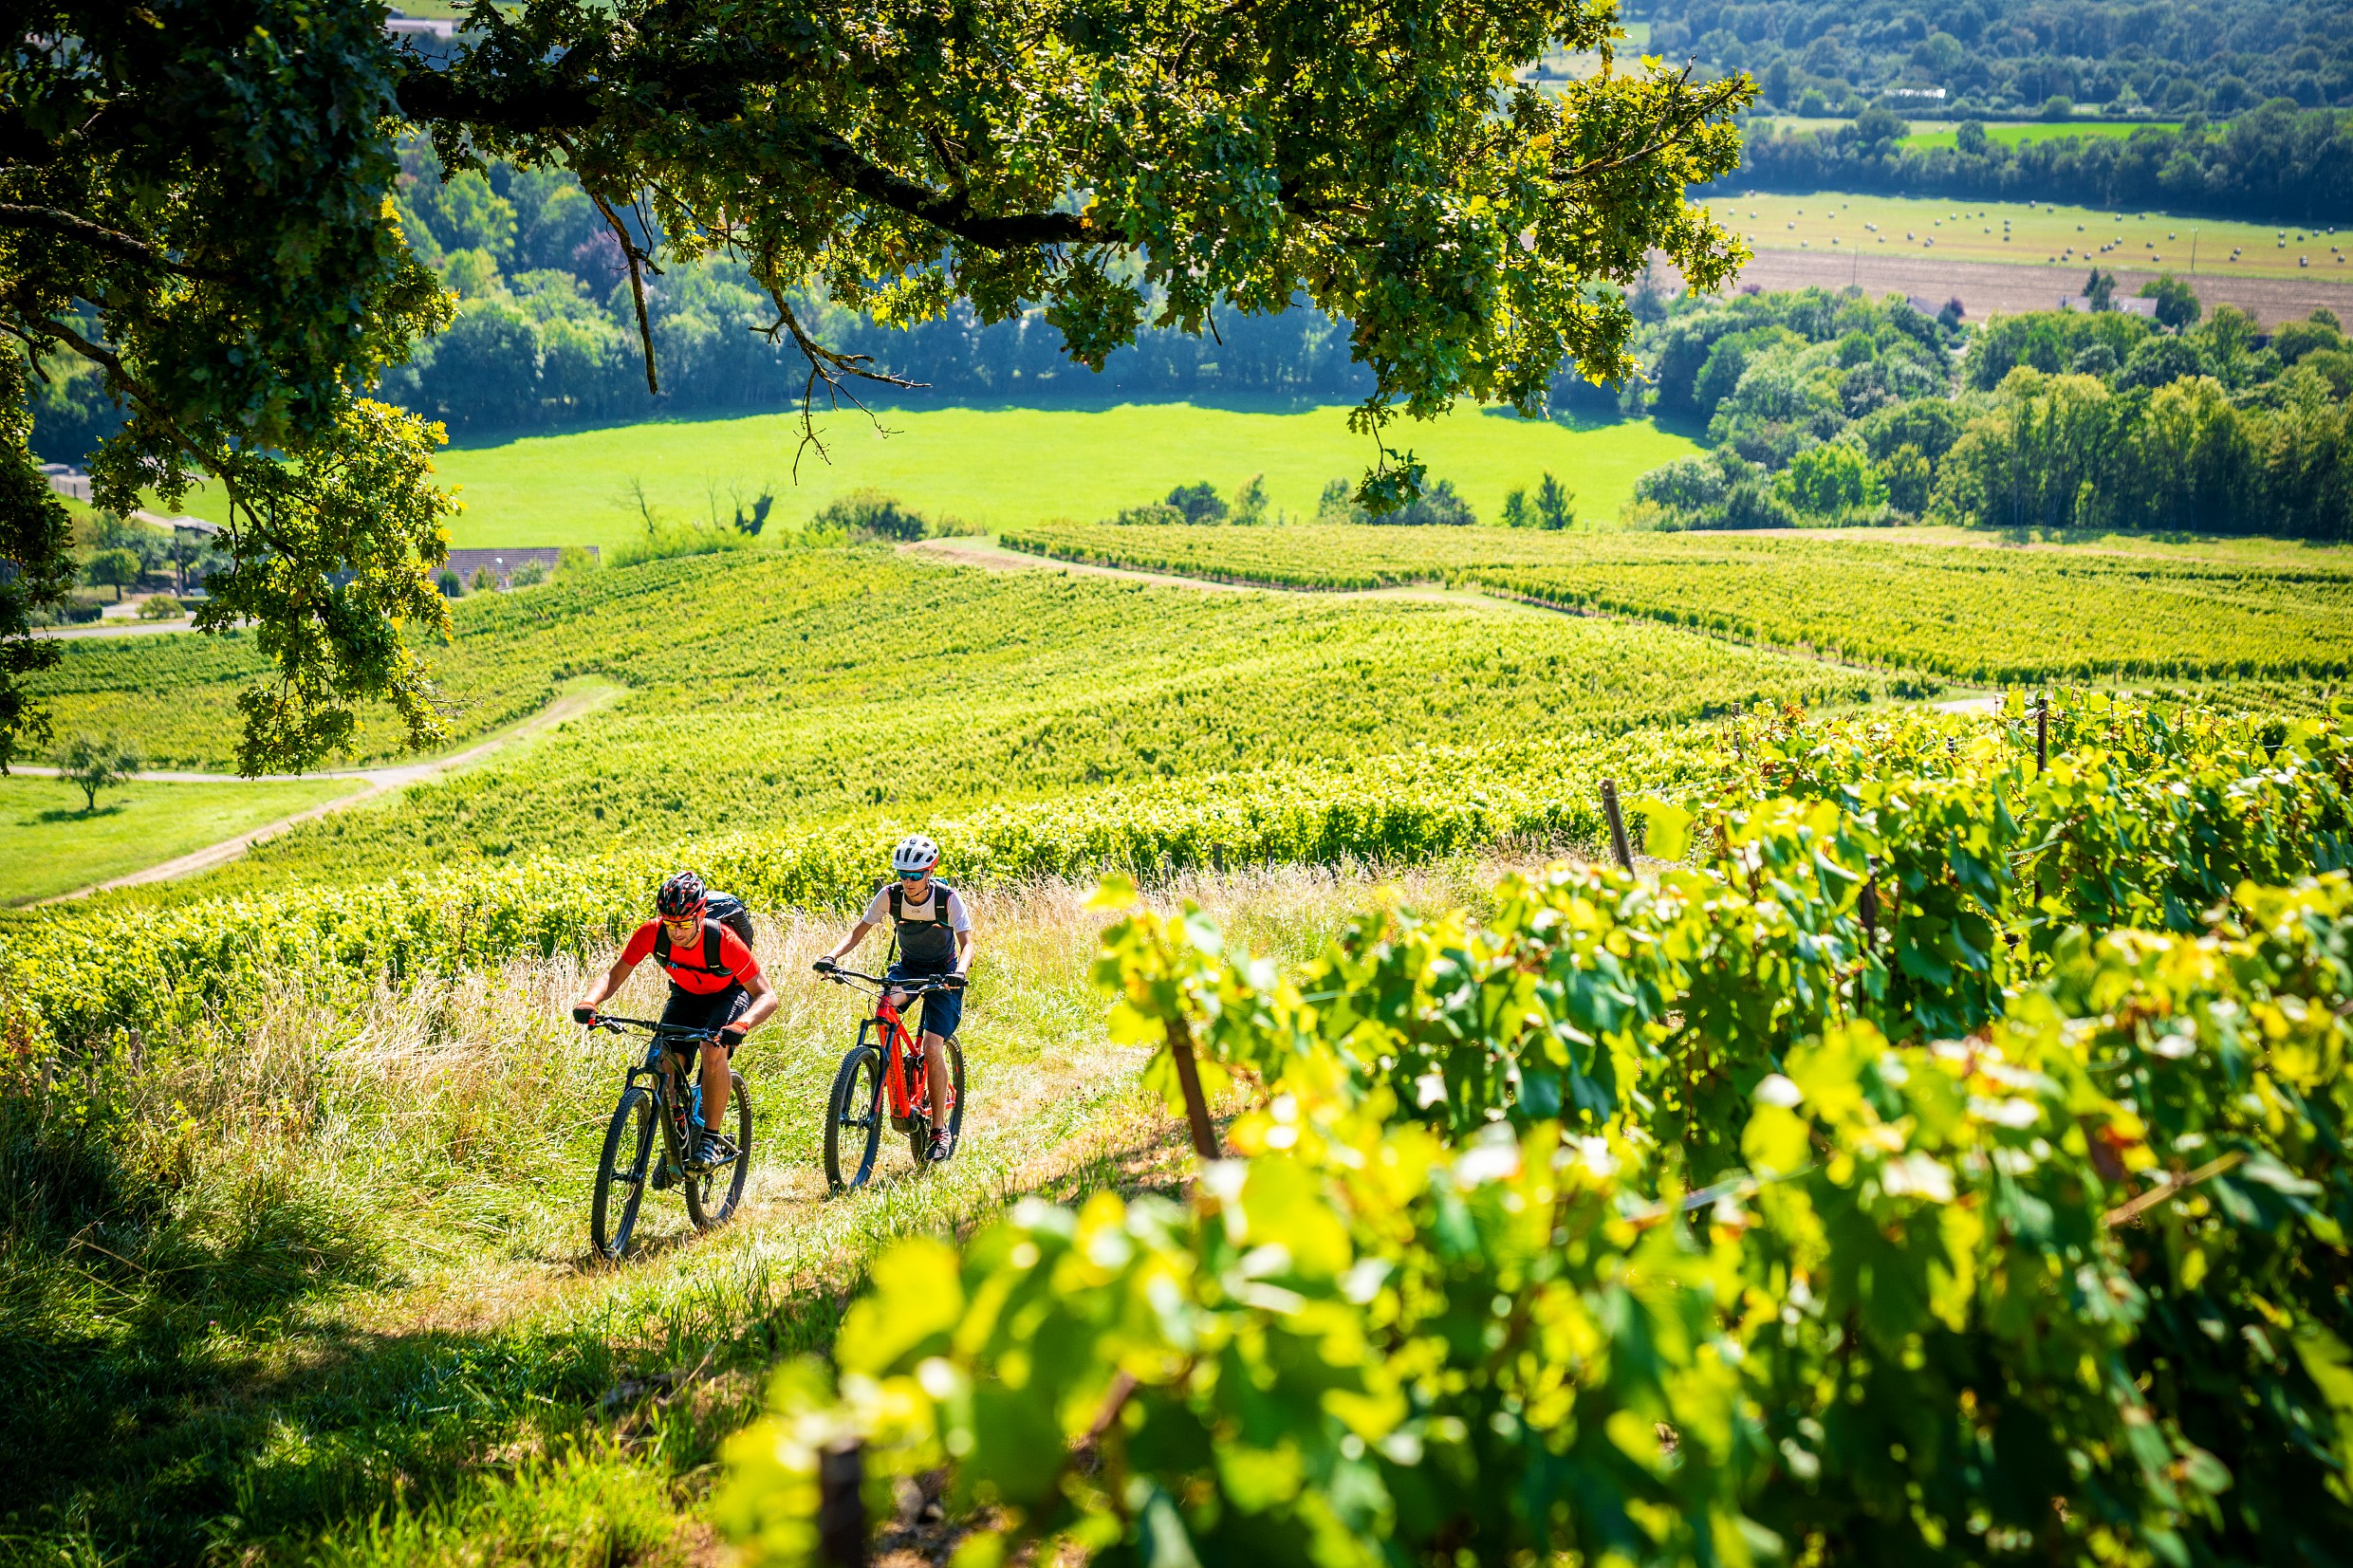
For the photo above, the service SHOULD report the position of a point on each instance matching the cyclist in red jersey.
(715, 983)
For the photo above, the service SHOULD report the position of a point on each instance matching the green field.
(2018, 136)
(48, 846)
(1004, 466)
(1965, 613)
(2037, 233)
(810, 686)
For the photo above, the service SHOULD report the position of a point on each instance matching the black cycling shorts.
(706, 1009)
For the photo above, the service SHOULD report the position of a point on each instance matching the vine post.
(1188, 1079)
(1618, 844)
(842, 1506)
(2042, 732)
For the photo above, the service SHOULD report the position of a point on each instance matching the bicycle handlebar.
(914, 984)
(652, 1026)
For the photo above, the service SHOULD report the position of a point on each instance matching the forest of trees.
(546, 337)
(1830, 408)
(2169, 58)
(2277, 163)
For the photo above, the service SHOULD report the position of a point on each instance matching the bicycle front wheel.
(620, 1174)
(854, 1118)
(712, 1195)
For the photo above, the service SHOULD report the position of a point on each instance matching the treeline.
(2277, 164)
(2217, 57)
(1825, 408)
(545, 334)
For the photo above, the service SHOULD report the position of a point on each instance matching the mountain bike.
(885, 1078)
(659, 1100)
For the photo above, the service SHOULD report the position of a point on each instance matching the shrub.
(576, 558)
(674, 543)
(871, 514)
(161, 607)
(1249, 502)
(529, 574)
(1152, 512)
(448, 581)
(1200, 502)
(1338, 504)
(1438, 506)
(483, 581)
(1556, 504)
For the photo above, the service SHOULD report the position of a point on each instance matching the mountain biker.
(935, 941)
(715, 983)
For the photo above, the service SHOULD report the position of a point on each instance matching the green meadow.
(49, 845)
(2018, 136)
(1002, 467)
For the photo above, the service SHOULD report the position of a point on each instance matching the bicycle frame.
(670, 1097)
(903, 1083)
(900, 1055)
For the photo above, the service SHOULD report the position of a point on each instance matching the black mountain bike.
(665, 1101)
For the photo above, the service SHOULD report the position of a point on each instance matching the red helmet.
(683, 895)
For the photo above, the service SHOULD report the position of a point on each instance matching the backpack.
(723, 909)
(940, 892)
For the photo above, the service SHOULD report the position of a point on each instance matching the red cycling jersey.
(685, 964)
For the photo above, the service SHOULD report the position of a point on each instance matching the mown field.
(1001, 467)
(51, 843)
(1960, 611)
(2039, 234)
(2019, 135)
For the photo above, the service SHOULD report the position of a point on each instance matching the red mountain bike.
(884, 1076)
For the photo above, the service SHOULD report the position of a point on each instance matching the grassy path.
(366, 1329)
(989, 556)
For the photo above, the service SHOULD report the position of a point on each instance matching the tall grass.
(322, 1291)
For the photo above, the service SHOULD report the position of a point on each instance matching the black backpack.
(942, 893)
(723, 909)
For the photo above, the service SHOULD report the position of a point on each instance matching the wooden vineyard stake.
(1617, 825)
(2042, 734)
(841, 1506)
(1188, 1079)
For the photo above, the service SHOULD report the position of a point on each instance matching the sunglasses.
(913, 876)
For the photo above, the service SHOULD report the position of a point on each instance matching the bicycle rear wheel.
(620, 1174)
(854, 1118)
(920, 1135)
(712, 1195)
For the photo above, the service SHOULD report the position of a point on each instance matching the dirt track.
(1984, 287)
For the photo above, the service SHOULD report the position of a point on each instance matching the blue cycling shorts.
(942, 1010)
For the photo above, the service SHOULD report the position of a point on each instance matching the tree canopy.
(195, 198)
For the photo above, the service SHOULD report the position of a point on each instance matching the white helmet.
(914, 853)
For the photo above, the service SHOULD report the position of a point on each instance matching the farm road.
(372, 781)
(992, 557)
